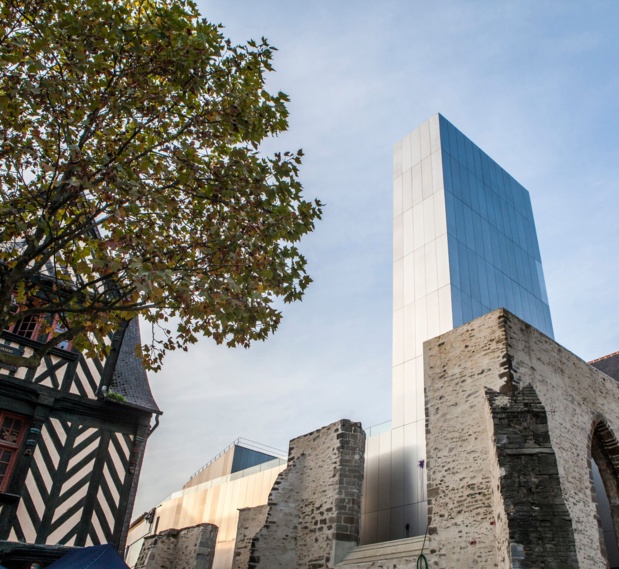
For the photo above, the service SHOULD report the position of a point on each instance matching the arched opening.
(605, 477)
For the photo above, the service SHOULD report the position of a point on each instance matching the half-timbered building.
(72, 438)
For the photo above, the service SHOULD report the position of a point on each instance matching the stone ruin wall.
(188, 548)
(250, 522)
(315, 504)
(509, 419)
(466, 480)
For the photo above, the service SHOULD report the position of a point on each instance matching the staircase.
(407, 549)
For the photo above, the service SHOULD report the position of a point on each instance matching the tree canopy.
(132, 179)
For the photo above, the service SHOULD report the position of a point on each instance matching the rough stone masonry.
(315, 505)
(510, 420)
(188, 548)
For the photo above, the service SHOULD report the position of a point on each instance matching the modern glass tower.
(464, 244)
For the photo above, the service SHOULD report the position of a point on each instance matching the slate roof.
(129, 378)
(608, 364)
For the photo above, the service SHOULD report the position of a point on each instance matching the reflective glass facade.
(464, 244)
(494, 258)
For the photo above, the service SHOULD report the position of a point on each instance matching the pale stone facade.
(473, 516)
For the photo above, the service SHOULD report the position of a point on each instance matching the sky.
(534, 84)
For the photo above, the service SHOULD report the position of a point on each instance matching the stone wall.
(315, 505)
(251, 521)
(469, 481)
(189, 548)
(539, 526)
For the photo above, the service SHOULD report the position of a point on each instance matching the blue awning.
(93, 557)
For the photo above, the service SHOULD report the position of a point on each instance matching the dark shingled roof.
(608, 364)
(129, 378)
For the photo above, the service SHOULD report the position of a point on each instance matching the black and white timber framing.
(75, 476)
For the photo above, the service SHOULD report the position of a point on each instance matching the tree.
(132, 181)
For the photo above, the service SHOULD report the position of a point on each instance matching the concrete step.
(398, 549)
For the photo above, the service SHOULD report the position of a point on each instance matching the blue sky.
(534, 84)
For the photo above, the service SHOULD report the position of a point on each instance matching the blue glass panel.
(455, 178)
(519, 270)
(481, 196)
(246, 458)
(492, 212)
(504, 255)
(537, 291)
(467, 308)
(465, 282)
(526, 309)
(496, 250)
(492, 243)
(479, 236)
(453, 141)
(522, 199)
(492, 293)
(511, 260)
(474, 276)
(501, 180)
(485, 169)
(485, 227)
(460, 223)
(509, 293)
(461, 149)
(473, 192)
(478, 171)
(509, 221)
(450, 213)
(446, 160)
(464, 185)
(500, 289)
(470, 160)
(454, 268)
(470, 229)
(477, 309)
(444, 132)
(518, 299)
(520, 226)
(493, 181)
(528, 263)
(542, 285)
(508, 189)
(484, 294)
(528, 208)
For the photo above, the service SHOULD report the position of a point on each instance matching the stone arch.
(604, 451)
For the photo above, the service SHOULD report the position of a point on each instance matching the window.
(12, 432)
(27, 327)
(35, 327)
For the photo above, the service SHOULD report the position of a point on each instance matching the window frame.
(13, 447)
